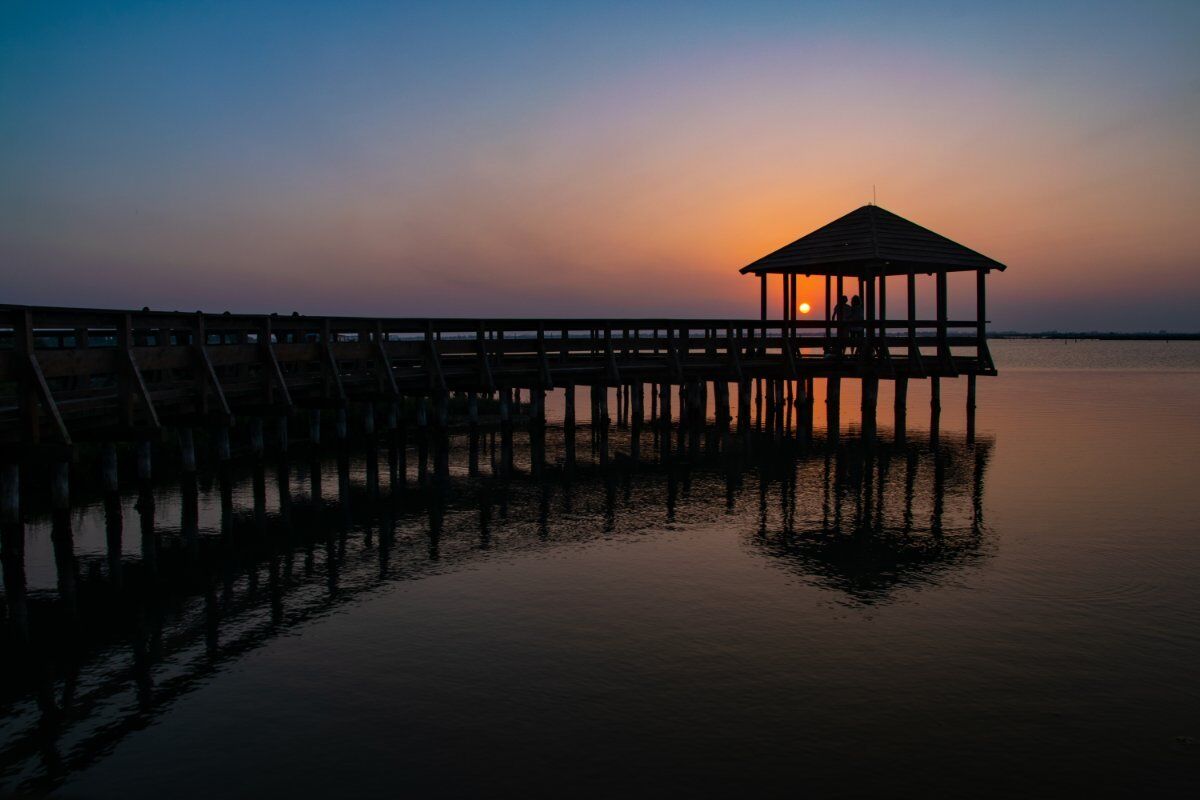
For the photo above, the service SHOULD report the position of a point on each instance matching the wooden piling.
(602, 442)
(833, 407)
(108, 466)
(870, 404)
(473, 434)
(758, 403)
(971, 407)
(314, 426)
(506, 433)
(422, 440)
(743, 406)
(256, 437)
(801, 403)
(635, 424)
(10, 493)
(569, 425)
(442, 437)
(935, 407)
(60, 486)
(222, 442)
(900, 408)
(808, 407)
(144, 461)
(398, 451)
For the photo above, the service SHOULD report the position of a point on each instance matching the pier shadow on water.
(135, 600)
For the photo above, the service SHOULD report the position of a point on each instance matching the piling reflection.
(889, 517)
(251, 556)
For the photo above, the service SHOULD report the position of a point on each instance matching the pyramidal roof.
(871, 240)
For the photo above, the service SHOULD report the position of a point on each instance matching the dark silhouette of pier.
(75, 383)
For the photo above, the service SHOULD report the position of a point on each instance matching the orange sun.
(805, 308)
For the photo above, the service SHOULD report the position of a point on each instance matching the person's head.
(843, 300)
(857, 301)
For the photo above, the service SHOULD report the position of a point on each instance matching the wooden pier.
(72, 375)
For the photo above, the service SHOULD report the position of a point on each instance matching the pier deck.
(70, 374)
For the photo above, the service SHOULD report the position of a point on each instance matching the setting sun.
(805, 308)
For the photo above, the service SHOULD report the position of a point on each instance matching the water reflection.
(123, 635)
(889, 518)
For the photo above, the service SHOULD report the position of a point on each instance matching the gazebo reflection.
(890, 517)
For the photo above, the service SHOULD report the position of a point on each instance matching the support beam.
(132, 384)
(275, 384)
(206, 375)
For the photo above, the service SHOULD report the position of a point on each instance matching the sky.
(600, 159)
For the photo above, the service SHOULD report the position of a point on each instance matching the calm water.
(1016, 616)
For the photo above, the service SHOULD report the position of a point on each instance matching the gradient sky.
(602, 159)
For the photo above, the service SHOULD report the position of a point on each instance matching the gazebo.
(868, 245)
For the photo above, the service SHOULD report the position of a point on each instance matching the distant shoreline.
(1110, 336)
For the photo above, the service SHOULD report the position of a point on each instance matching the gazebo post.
(981, 348)
(783, 299)
(828, 307)
(868, 313)
(981, 315)
(943, 347)
(883, 310)
(912, 317)
(870, 378)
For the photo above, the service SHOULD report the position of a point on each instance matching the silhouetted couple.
(848, 335)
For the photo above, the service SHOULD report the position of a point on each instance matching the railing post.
(124, 378)
(23, 343)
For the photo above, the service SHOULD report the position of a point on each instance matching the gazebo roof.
(871, 241)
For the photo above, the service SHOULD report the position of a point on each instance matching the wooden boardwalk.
(76, 375)
(70, 375)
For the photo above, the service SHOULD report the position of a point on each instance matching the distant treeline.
(1160, 336)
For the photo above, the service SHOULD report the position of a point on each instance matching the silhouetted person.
(855, 314)
(841, 313)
